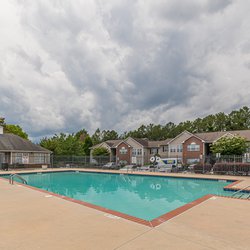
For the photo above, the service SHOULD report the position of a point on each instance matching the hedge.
(202, 168)
(228, 168)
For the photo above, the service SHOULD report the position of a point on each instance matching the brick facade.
(124, 153)
(188, 155)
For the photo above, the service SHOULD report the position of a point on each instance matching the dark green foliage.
(100, 152)
(87, 144)
(73, 144)
(2, 121)
(80, 142)
(235, 145)
(96, 137)
(15, 129)
(236, 120)
(101, 136)
(63, 144)
(81, 135)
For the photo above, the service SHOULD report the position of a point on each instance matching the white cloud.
(67, 65)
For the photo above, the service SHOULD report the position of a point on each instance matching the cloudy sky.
(117, 64)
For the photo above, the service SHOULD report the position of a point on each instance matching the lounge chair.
(129, 168)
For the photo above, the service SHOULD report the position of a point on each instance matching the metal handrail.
(240, 190)
(11, 178)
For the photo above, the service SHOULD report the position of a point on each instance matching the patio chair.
(5, 166)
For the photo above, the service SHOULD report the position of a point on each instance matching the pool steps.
(242, 193)
(11, 178)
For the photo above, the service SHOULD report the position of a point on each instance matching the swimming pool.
(141, 196)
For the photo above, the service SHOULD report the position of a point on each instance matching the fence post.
(234, 165)
(52, 160)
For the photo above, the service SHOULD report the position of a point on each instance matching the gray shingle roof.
(113, 143)
(143, 142)
(110, 143)
(213, 136)
(11, 142)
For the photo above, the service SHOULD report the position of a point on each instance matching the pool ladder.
(11, 179)
(242, 195)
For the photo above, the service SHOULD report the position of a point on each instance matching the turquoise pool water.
(144, 197)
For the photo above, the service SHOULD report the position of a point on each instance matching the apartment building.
(187, 147)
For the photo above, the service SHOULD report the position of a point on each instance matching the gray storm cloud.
(67, 65)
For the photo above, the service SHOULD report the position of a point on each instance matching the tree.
(49, 143)
(109, 135)
(2, 121)
(87, 144)
(63, 144)
(15, 129)
(100, 152)
(226, 145)
(96, 137)
(81, 135)
(220, 122)
(239, 119)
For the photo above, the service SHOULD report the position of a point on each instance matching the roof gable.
(195, 137)
(243, 133)
(225, 135)
(184, 132)
(108, 143)
(210, 137)
(121, 143)
(102, 144)
(138, 141)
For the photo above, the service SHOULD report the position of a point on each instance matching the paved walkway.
(31, 220)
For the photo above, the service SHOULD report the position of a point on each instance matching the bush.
(100, 152)
(231, 168)
(202, 168)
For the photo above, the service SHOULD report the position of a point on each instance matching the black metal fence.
(229, 165)
(58, 161)
(226, 164)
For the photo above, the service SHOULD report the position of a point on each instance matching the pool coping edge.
(153, 223)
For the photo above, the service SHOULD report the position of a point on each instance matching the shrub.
(100, 152)
(202, 168)
(231, 167)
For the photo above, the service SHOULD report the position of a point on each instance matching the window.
(179, 148)
(248, 148)
(172, 149)
(193, 147)
(123, 151)
(165, 148)
(18, 158)
(136, 151)
(139, 151)
(153, 151)
(193, 160)
(40, 158)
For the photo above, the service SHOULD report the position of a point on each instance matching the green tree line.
(79, 143)
(236, 120)
(13, 129)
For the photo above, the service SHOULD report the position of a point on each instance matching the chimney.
(1, 130)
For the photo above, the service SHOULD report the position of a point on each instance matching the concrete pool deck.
(30, 219)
